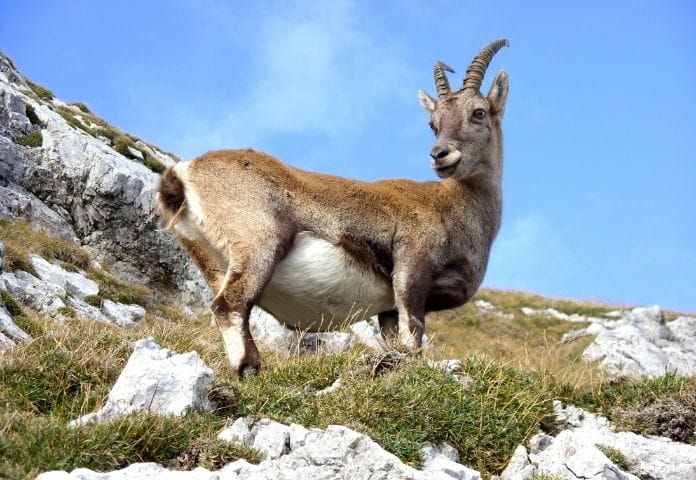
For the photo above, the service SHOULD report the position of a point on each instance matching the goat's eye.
(432, 127)
(479, 114)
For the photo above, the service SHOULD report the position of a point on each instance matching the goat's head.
(467, 124)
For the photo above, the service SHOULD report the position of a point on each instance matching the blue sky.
(600, 169)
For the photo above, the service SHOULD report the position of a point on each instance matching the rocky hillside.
(68, 172)
(105, 365)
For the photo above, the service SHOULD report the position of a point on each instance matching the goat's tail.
(171, 197)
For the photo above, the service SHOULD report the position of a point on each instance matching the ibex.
(311, 249)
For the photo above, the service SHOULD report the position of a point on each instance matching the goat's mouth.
(448, 171)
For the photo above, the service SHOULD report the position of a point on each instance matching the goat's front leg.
(248, 272)
(412, 283)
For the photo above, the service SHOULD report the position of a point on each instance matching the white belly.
(319, 286)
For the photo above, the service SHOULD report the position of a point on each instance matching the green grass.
(152, 163)
(33, 139)
(408, 407)
(94, 300)
(518, 366)
(112, 288)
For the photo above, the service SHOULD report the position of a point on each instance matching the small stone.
(121, 314)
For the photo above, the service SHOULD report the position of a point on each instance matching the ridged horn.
(441, 81)
(478, 66)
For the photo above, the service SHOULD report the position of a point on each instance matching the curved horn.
(478, 66)
(441, 78)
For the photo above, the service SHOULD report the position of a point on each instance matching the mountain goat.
(314, 249)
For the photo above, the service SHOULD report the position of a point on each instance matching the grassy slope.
(517, 365)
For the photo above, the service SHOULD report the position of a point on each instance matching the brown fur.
(430, 241)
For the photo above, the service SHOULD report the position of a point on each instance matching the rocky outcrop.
(635, 343)
(293, 452)
(156, 380)
(60, 294)
(76, 186)
(582, 450)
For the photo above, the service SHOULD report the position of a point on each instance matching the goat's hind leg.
(249, 270)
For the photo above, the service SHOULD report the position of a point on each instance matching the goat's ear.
(426, 102)
(497, 95)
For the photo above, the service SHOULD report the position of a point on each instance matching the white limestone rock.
(270, 332)
(572, 457)
(141, 471)
(121, 314)
(295, 452)
(576, 452)
(46, 298)
(6, 341)
(74, 282)
(269, 437)
(157, 380)
(640, 344)
(326, 342)
(519, 467)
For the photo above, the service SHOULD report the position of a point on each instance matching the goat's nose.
(439, 151)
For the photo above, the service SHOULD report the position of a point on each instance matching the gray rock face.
(157, 380)
(82, 190)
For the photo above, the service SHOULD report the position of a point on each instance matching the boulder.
(156, 380)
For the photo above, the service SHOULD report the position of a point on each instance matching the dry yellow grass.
(530, 343)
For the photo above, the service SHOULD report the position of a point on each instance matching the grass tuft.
(21, 241)
(94, 300)
(32, 116)
(41, 92)
(617, 457)
(152, 163)
(81, 106)
(33, 139)
(112, 288)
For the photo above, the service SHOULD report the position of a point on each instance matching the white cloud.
(317, 68)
